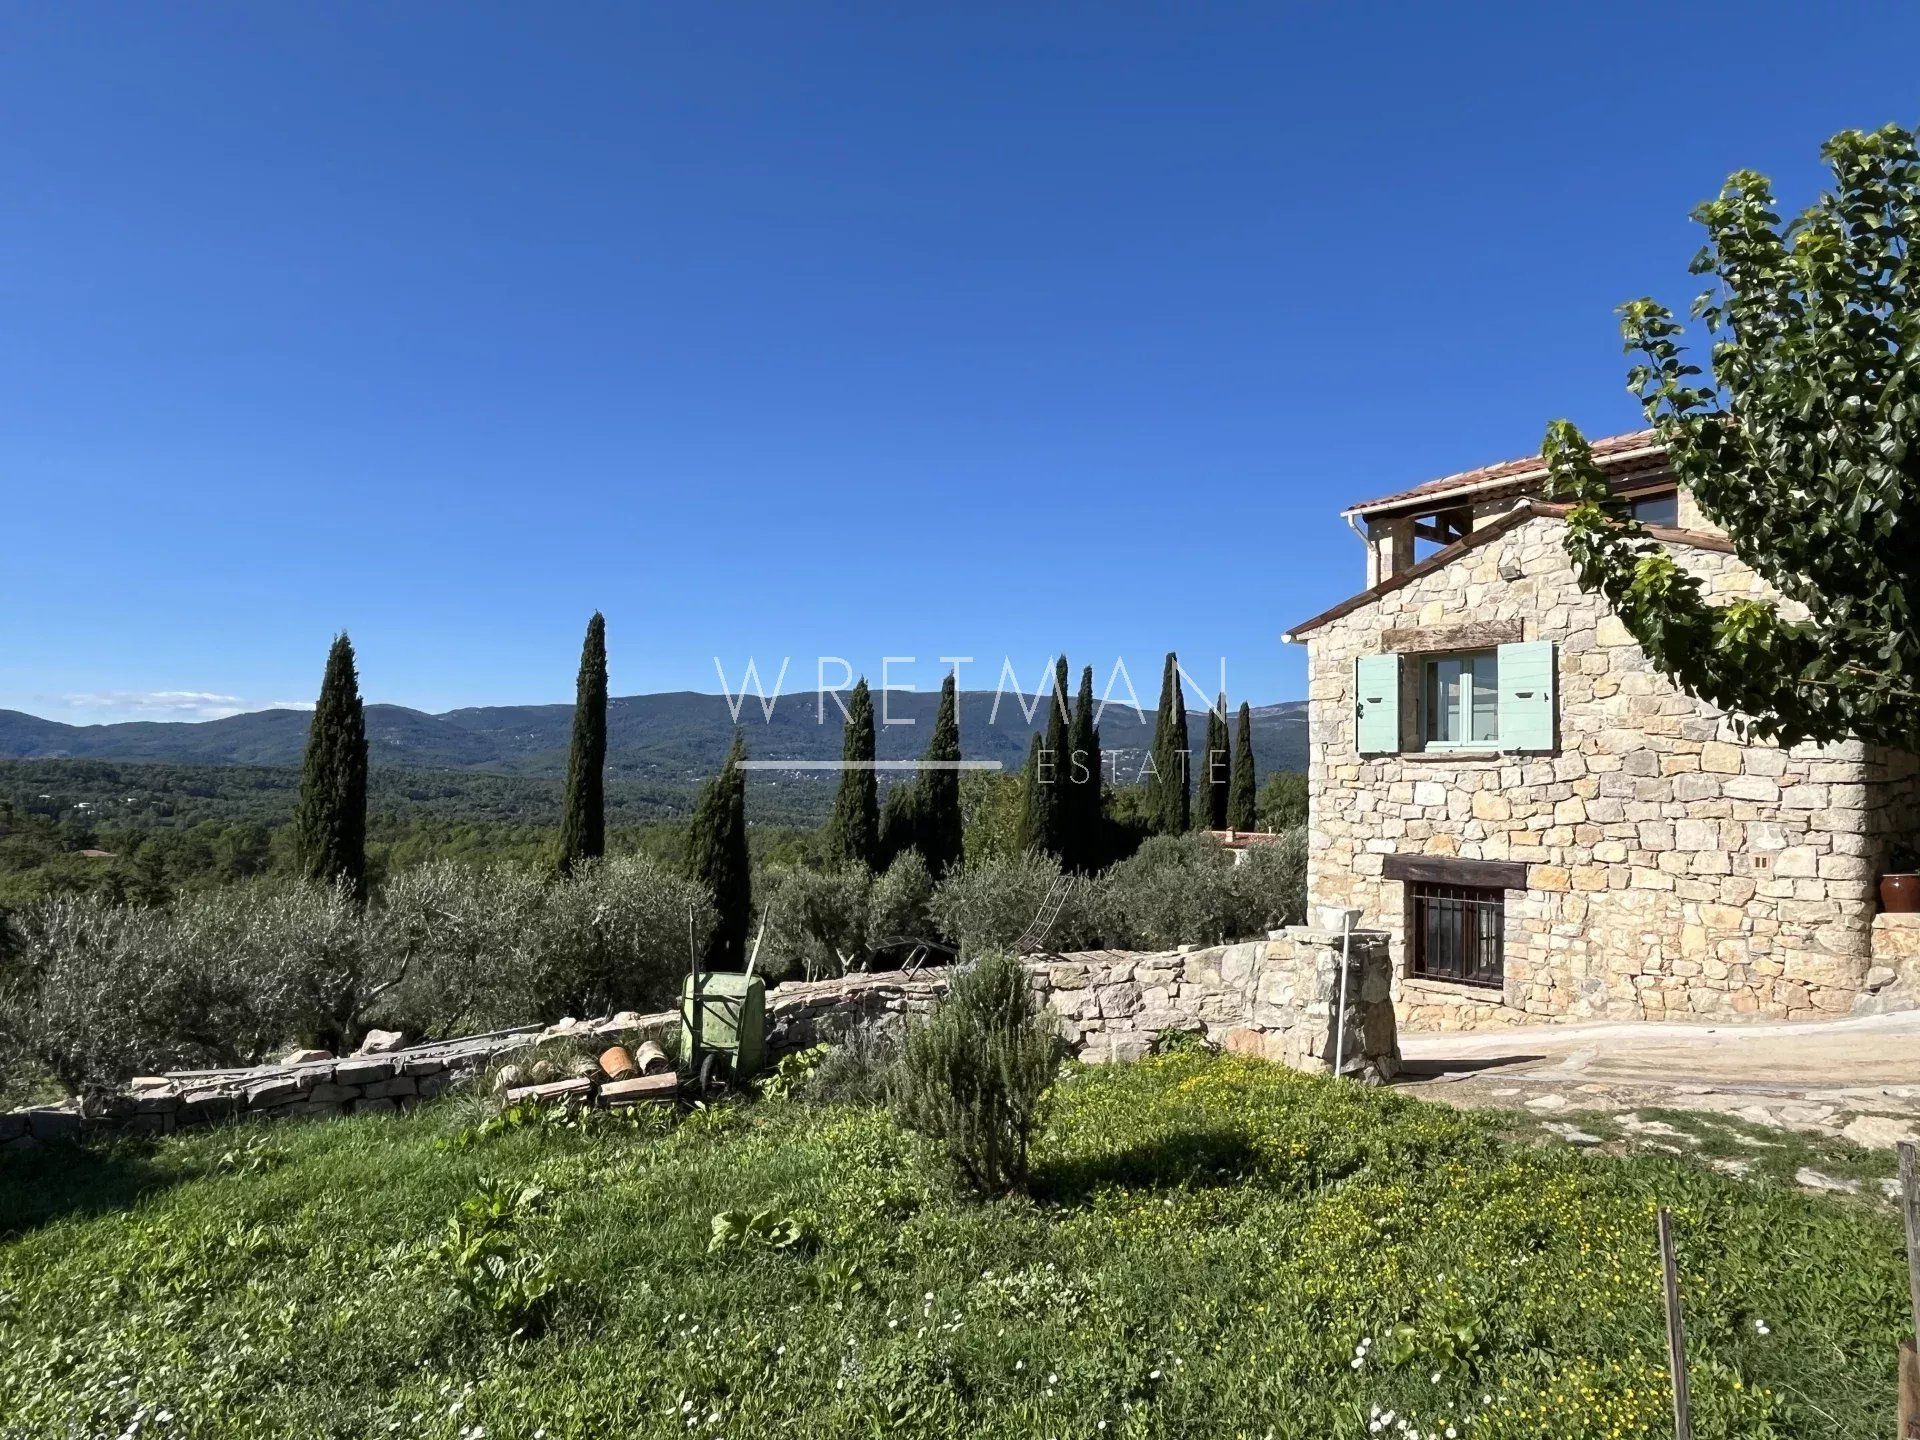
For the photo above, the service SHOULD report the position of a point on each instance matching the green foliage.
(1800, 445)
(1216, 769)
(1283, 802)
(793, 1074)
(900, 906)
(1241, 809)
(900, 820)
(513, 1290)
(1182, 1042)
(1239, 1229)
(974, 1075)
(100, 991)
(330, 824)
(1087, 842)
(987, 906)
(939, 830)
(1169, 810)
(1037, 793)
(857, 1068)
(583, 818)
(761, 1230)
(816, 919)
(853, 830)
(1178, 890)
(718, 862)
(992, 806)
(1049, 801)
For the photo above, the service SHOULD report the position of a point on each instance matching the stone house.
(1545, 827)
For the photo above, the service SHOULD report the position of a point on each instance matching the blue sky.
(800, 330)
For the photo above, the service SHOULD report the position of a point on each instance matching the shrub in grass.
(857, 1068)
(974, 1075)
(512, 1289)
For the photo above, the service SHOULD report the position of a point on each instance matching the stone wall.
(1893, 982)
(1276, 998)
(1673, 869)
(1272, 997)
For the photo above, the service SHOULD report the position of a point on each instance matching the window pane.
(1444, 702)
(1661, 509)
(1486, 698)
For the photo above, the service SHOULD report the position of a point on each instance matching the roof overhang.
(1523, 511)
(1615, 455)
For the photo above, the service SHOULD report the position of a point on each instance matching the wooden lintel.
(1448, 870)
(1418, 639)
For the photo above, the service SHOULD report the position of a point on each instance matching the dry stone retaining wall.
(1275, 998)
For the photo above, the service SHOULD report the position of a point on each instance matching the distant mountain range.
(674, 737)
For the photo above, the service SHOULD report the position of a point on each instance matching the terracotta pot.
(617, 1063)
(1900, 894)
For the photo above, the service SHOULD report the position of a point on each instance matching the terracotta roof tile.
(1615, 451)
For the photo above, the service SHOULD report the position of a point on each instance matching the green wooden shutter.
(1529, 698)
(1376, 693)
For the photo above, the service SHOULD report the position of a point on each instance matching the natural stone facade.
(1671, 868)
(1276, 998)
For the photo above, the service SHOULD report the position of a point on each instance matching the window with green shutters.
(1502, 698)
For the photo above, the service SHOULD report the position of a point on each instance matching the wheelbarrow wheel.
(714, 1070)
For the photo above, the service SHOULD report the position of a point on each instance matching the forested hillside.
(676, 738)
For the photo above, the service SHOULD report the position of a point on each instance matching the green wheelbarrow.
(723, 1023)
(723, 1026)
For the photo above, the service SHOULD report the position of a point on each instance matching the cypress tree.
(717, 859)
(899, 823)
(941, 830)
(853, 834)
(583, 823)
(1240, 806)
(1033, 800)
(1057, 812)
(330, 824)
(1168, 807)
(1087, 818)
(1216, 774)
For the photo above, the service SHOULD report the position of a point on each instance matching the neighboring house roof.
(1522, 512)
(1618, 456)
(1245, 839)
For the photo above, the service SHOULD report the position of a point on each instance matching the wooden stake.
(1910, 1202)
(1676, 1333)
(1909, 1355)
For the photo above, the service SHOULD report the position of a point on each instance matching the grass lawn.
(1218, 1248)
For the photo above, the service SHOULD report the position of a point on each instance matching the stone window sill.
(1416, 985)
(1456, 757)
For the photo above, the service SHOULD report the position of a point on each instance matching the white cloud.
(290, 705)
(157, 704)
